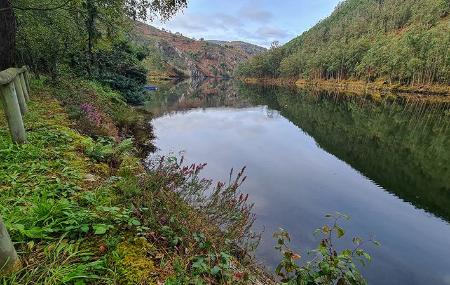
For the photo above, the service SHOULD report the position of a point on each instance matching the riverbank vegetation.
(392, 41)
(83, 210)
(78, 200)
(79, 203)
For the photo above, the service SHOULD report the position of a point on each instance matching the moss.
(133, 262)
(130, 166)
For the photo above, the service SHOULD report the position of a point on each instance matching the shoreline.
(354, 86)
(132, 214)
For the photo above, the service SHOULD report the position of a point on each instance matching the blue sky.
(256, 21)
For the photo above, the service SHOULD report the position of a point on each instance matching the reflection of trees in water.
(271, 114)
(400, 143)
(189, 94)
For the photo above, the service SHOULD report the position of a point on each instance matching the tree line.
(88, 38)
(406, 42)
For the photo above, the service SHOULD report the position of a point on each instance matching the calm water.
(385, 163)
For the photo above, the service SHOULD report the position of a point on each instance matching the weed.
(328, 265)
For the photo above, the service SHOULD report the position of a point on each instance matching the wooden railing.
(14, 94)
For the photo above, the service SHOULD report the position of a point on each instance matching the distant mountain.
(251, 49)
(174, 55)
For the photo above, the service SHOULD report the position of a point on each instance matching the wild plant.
(328, 265)
(223, 206)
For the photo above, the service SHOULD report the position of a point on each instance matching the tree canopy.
(85, 37)
(395, 40)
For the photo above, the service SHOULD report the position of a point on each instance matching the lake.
(385, 162)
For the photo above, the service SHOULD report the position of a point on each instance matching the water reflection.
(312, 153)
(190, 94)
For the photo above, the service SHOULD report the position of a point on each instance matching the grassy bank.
(82, 209)
(361, 87)
(356, 87)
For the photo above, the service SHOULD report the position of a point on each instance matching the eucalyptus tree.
(401, 41)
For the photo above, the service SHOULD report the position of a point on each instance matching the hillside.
(250, 49)
(395, 41)
(174, 55)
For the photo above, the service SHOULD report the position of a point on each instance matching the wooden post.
(13, 114)
(24, 86)
(20, 95)
(9, 261)
(27, 79)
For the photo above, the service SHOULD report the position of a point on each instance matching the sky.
(259, 22)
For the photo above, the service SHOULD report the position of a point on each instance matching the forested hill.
(172, 54)
(401, 41)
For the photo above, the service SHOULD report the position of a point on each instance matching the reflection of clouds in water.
(446, 279)
(293, 183)
(248, 120)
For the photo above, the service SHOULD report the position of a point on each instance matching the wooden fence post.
(20, 96)
(27, 79)
(13, 114)
(9, 261)
(24, 86)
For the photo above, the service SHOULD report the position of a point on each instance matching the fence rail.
(15, 94)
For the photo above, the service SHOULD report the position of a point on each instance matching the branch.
(36, 8)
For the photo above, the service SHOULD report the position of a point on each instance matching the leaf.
(84, 228)
(135, 222)
(215, 270)
(278, 269)
(357, 241)
(101, 229)
(347, 252)
(340, 231)
(200, 266)
(325, 229)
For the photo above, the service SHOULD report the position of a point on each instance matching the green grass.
(43, 195)
(83, 210)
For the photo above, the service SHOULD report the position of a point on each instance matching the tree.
(91, 10)
(396, 40)
(7, 35)
(274, 45)
(60, 30)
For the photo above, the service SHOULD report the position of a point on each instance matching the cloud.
(247, 20)
(255, 14)
(227, 20)
(271, 32)
(186, 24)
(198, 22)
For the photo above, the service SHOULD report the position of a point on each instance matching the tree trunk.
(9, 262)
(7, 35)
(90, 25)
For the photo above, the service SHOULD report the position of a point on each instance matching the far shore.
(357, 86)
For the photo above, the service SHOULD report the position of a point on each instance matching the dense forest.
(398, 41)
